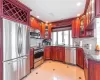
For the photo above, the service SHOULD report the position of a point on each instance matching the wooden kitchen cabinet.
(80, 57)
(73, 28)
(31, 58)
(47, 53)
(94, 70)
(97, 5)
(49, 31)
(55, 53)
(61, 54)
(76, 28)
(35, 23)
(46, 29)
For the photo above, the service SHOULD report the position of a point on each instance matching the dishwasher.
(70, 55)
(73, 56)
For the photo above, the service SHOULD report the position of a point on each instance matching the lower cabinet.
(54, 53)
(31, 58)
(61, 54)
(93, 70)
(47, 52)
(80, 57)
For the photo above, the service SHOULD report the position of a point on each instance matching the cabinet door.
(31, 58)
(80, 57)
(49, 31)
(97, 8)
(77, 28)
(73, 28)
(42, 30)
(56, 54)
(97, 71)
(47, 53)
(61, 54)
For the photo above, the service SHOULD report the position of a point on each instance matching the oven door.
(38, 59)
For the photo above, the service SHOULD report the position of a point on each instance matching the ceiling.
(55, 10)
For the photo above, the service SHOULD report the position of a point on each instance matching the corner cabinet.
(46, 31)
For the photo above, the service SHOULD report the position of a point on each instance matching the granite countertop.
(95, 56)
(66, 46)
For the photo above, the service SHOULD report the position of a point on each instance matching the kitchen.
(49, 40)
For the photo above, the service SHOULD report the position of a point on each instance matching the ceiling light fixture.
(78, 15)
(38, 16)
(46, 21)
(79, 4)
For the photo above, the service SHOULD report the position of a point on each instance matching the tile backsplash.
(35, 42)
(88, 44)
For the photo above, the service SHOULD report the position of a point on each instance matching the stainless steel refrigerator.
(16, 62)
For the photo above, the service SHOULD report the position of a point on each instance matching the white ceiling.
(54, 10)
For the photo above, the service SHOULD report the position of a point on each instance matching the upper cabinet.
(80, 27)
(75, 28)
(15, 11)
(97, 5)
(46, 31)
(35, 23)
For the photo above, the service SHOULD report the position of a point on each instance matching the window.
(71, 39)
(66, 37)
(62, 37)
(54, 38)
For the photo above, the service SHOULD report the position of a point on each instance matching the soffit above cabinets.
(55, 10)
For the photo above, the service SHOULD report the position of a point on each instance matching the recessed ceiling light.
(46, 21)
(38, 16)
(79, 4)
(78, 15)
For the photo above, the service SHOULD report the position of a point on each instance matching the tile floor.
(52, 70)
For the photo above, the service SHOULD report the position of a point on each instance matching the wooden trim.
(86, 6)
(62, 23)
(37, 19)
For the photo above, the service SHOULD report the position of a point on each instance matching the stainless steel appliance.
(16, 62)
(70, 55)
(38, 57)
(35, 34)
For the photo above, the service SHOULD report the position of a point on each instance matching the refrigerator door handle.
(19, 40)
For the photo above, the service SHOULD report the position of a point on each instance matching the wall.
(88, 49)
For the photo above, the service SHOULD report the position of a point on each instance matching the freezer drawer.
(23, 66)
(10, 70)
(26, 65)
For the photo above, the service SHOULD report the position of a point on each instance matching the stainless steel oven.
(38, 57)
